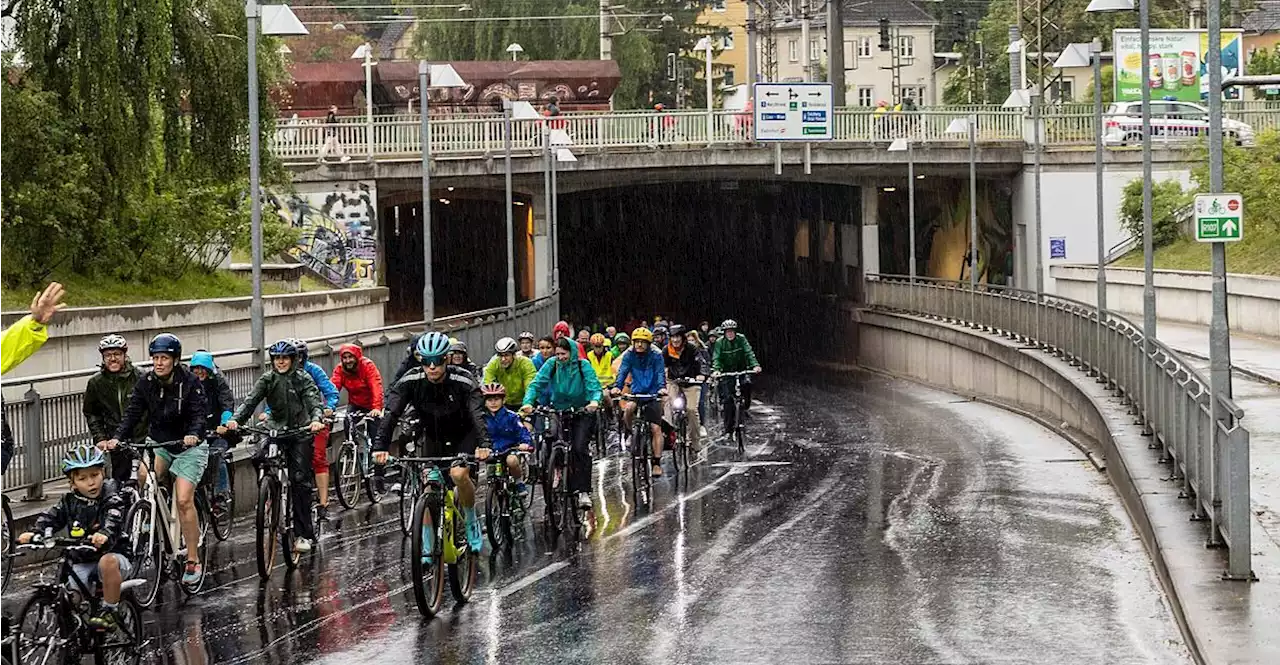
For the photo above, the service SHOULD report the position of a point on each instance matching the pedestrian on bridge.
(331, 144)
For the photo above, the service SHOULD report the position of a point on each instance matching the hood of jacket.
(353, 349)
(561, 329)
(203, 359)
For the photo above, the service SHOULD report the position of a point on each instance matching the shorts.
(88, 572)
(651, 411)
(188, 464)
(320, 452)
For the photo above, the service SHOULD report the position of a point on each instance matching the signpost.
(793, 112)
(1219, 217)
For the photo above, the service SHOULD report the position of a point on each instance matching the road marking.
(530, 579)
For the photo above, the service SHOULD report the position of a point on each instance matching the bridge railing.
(1206, 442)
(46, 426)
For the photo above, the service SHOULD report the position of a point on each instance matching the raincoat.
(571, 387)
(364, 385)
(733, 356)
(515, 379)
(505, 430)
(647, 372)
(20, 340)
(105, 399)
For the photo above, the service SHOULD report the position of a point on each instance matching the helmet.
(165, 343)
(432, 345)
(506, 345)
(622, 339)
(676, 330)
(642, 335)
(716, 332)
(456, 344)
(203, 359)
(597, 340)
(660, 330)
(303, 351)
(729, 324)
(527, 335)
(112, 342)
(493, 389)
(283, 348)
(83, 456)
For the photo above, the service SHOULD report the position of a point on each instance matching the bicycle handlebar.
(687, 382)
(275, 433)
(464, 457)
(724, 374)
(69, 544)
(631, 397)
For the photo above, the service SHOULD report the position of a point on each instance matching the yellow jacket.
(603, 367)
(20, 341)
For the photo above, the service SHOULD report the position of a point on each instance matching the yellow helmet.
(642, 335)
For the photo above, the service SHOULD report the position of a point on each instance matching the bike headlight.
(677, 402)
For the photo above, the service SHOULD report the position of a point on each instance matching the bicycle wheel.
(495, 512)
(426, 558)
(145, 552)
(289, 534)
(124, 646)
(204, 512)
(222, 515)
(7, 543)
(408, 496)
(737, 429)
(45, 633)
(349, 477)
(267, 524)
(463, 573)
(551, 490)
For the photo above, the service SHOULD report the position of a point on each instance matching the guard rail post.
(32, 445)
(1239, 566)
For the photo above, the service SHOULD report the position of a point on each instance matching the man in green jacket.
(513, 370)
(732, 353)
(105, 398)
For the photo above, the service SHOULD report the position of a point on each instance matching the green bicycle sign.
(1219, 217)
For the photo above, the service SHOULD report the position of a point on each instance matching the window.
(907, 47)
(913, 92)
(866, 95)
(864, 47)
(815, 50)
(726, 42)
(793, 50)
(717, 5)
(1067, 91)
(728, 77)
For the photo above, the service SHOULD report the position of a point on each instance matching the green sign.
(1219, 217)
(815, 131)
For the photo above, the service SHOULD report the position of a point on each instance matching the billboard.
(1177, 64)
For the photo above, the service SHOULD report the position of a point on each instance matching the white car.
(1170, 121)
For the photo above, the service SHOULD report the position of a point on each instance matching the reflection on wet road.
(873, 521)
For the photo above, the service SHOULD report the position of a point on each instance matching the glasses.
(432, 361)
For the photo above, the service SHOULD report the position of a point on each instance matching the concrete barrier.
(1253, 301)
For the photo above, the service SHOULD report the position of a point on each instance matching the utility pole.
(835, 51)
(804, 40)
(606, 39)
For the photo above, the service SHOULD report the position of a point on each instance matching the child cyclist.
(295, 403)
(506, 430)
(94, 509)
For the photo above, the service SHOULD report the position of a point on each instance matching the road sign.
(1219, 217)
(793, 112)
(1058, 247)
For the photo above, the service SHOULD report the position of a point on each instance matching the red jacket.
(364, 385)
(561, 329)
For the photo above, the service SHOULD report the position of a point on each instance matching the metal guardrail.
(1204, 439)
(57, 422)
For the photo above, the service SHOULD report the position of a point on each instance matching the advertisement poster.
(1177, 64)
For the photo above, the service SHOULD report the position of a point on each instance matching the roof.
(1264, 18)
(867, 13)
(393, 33)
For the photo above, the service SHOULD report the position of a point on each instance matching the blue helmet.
(203, 359)
(83, 456)
(432, 345)
(166, 343)
(283, 347)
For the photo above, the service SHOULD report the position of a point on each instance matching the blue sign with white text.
(1057, 248)
(814, 116)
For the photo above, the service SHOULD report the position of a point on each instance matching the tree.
(1168, 203)
(1108, 89)
(1264, 61)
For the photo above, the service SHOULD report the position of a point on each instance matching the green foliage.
(1168, 200)
(1263, 61)
(1254, 173)
(1108, 86)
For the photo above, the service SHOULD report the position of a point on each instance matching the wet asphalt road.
(873, 521)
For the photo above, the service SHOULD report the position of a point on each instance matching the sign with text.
(1219, 217)
(1177, 64)
(1057, 248)
(793, 112)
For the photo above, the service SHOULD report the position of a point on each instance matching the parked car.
(1170, 121)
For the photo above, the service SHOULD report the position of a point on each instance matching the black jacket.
(688, 365)
(174, 409)
(410, 361)
(220, 401)
(104, 515)
(105, 399)
(450, 410)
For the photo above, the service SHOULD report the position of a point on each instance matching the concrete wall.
(217, 324)
(1253, 301)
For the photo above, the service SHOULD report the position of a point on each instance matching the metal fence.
(55, 423)
(1204, 440)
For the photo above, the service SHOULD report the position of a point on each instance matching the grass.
(1257, 254)
(97, 291)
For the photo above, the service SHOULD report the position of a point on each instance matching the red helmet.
(493, 390)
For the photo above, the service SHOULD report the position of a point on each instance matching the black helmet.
(676, 330)
(165, 343)
(660, 329)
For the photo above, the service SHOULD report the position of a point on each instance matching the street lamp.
(559, 140)
(515, 50)
(960, 126)
(512, 111)
(904, 145)
(704, 45)
(277, 20)
(365, 52)
(441, 76)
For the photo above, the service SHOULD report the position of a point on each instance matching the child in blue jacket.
(506, 430)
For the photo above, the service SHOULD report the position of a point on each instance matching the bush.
(1167, 200)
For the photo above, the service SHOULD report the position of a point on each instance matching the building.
(869, 71)
(1262, 27)
(729, 18)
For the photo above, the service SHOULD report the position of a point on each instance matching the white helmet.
(506, 345)
(112, 342)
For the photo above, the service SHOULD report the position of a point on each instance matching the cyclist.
(221, 402)
(570, 387)
(561, 329)
(175, 406)
(527, 344)
(602, 362)
(643, 365)
(514, 371)
(621, 342)
(704, 354)
(660, 337)
(546, 349)
(320, 447)
(610, 332)
(361, 379)
(105, 397)
(448, 401)
(684, 361)
(294, 402)
(506, 431)
(94, 508)
(584, 339)
(733, 353)
(458, 356)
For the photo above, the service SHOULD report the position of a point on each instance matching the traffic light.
(885, 44)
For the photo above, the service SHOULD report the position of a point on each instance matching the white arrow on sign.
(1229, 226)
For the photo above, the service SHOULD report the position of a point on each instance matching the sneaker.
(657, 471)
(395, 489)
(702, 431)
(522, 490)
(322, 513)
(475, 537)
(192, 573)
(105, 619)
(584, 501)
(301, 545)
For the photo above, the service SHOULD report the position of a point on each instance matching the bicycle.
(563, 514)
(355, 460)
(439, 537)
(6, 545)
(680, 418)
(737, 405)
(53, 626)
(504, 507)
(641, 448)
(157, 553)
(273, 489)
(221, 515)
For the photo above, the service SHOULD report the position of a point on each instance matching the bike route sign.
(793, 112)
(1219, 217)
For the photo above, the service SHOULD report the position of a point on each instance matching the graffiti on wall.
(337, 224)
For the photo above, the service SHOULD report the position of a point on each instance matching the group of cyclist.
(461, 410)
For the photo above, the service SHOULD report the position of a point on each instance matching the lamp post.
(704, 45)
(441, 76)
(960, 126)
(515, 50)
(276, 20)
(559, 140)
(512, 111)
(365, 52)
(904, 145)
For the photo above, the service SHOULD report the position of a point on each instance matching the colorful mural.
(338, 223)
